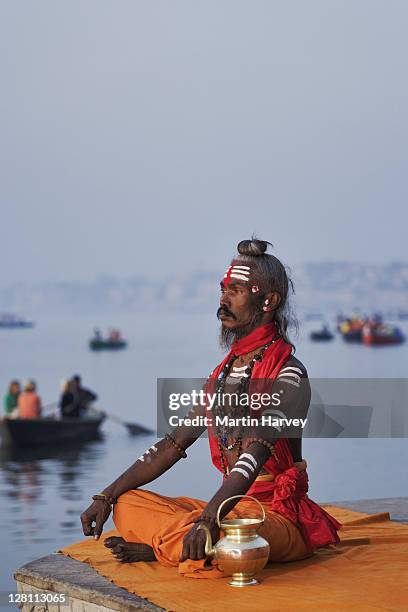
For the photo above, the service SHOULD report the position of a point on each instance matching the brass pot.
(242, 553)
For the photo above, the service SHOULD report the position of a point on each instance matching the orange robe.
(162, 522)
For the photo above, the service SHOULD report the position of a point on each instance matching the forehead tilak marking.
(240, 272)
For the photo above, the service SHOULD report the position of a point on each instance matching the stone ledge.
(87, 590)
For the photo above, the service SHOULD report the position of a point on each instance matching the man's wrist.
(109, 499)
(209, 519)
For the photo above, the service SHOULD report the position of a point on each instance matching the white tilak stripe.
(241, 267)
(244, 272)
(291, 368)
(141, 458)
(154, 448)
(290, 374)
(243, 472)
(239, 276)
(240, 367)
(290, 382)
(250, 457)
(238, 375)
(246, 464)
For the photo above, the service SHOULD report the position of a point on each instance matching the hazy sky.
(149, 137)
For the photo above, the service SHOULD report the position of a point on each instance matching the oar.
(133, 428)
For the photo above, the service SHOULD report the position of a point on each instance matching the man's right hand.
(98, 513)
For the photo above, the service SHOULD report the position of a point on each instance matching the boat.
(352, 329)
(12, 321)
(381, 334)
(321, 335)
(97, 344)
(49, 431)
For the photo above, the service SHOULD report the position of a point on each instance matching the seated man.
(260, 461)
(81, 398)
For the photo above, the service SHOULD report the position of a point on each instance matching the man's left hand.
(194, 542)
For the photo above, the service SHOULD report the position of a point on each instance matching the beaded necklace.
(221, 431)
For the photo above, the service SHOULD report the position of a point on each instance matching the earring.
(267, 308)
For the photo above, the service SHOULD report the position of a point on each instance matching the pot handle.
(234, 497)
(209, 550)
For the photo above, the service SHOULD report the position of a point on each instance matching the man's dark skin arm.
(235, 484)
(153, 463)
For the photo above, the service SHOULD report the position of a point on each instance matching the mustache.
(226, 311)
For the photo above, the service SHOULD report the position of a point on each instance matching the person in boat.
(97, 337)
(263, 462)
(29, 402)
(67, 405)
(11, 398)
(114, 335)
(82, 398)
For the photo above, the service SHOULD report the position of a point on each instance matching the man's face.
(236, 305)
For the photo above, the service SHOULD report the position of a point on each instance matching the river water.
(44, 491)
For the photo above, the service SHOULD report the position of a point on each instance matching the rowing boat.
(49, 431)
(107, 345)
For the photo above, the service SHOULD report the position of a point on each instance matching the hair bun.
(253, 247)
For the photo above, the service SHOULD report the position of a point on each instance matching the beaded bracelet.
(106, 498)
(269, 445)
(178, 448)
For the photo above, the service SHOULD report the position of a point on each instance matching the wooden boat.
(49, 431)
(382, 335)
(107, 345)
(322, 335)
(14, 322)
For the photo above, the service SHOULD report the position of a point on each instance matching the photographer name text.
(226, 421)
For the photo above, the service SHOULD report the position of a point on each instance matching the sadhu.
(264, 462)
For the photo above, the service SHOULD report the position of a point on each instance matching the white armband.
(241, 470)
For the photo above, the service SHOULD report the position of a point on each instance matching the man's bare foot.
(112, 541)
(129, 552)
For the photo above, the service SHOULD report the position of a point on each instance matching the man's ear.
(274, 299)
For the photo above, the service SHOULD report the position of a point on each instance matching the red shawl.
(287, 493)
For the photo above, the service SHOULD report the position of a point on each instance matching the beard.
(228, 336)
